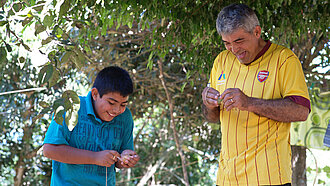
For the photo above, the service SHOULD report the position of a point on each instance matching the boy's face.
(109, 106)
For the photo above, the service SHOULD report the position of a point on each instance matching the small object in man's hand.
(219, 100)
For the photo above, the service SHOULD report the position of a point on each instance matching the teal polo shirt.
(92, 134)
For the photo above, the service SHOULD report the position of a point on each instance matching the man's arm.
(283, 110)
(71, 155)
(211, 114)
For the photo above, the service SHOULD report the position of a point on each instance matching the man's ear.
(95, 93)
(257, 31)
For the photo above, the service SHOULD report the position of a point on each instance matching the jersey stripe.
(239, 72)
(270, 182)
(229, 75)
(255, 155)
(277, 127)
(285, 60)
(246, 142)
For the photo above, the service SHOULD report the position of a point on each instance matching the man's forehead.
(236, 35)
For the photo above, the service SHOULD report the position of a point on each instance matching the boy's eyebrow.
(116, 100)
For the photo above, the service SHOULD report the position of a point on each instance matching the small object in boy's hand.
(124, 158)
(219, 100)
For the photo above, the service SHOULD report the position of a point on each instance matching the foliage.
(85, 36)
(22, 135)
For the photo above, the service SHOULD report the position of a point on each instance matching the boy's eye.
(110, 103)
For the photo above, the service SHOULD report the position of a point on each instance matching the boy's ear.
(95, 93)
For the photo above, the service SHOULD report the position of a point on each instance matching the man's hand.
(210, 106)
(106, 158)
(234, 98)
(128, 159)
(210, 97)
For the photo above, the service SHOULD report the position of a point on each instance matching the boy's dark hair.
(113, 79)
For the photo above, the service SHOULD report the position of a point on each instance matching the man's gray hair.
(236, 16)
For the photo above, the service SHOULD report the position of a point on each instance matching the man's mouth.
(241, 55)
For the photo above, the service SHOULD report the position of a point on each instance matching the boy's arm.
(71, 155)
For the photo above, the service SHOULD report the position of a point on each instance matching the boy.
(102, 138)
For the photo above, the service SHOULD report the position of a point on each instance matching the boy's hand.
(127, 159)
(106, 158)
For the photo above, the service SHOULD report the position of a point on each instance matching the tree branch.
(172, 123)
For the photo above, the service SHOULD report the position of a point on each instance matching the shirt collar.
(263, 51)
(89, 106)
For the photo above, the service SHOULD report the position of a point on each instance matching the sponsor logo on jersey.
(263, 75)
(221, 79)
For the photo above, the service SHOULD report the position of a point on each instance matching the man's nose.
(234, 48)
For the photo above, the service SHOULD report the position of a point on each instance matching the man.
(102, 138)
(261, 89)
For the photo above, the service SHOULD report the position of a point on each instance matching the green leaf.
(77, 58)
(45, 74)
(54, 79)
(43, 104)
(72, 96)
(130, 24)
(39, 28)
(64, 8)
(38, 8)
(26, 47)
(10, 12)
(21, 59)
(3, 54)
(59, 117)
(26, 21)
(2, 23)
(66, 56)
(9, 49)
(48, 20)
(182, 87)
(71, 117)
(67, 104)
(57, 103)
(46, 41)
(150, 62)
(17, 7)
(104, 30)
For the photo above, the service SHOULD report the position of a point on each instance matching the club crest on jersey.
(222, 79)
(263, 75)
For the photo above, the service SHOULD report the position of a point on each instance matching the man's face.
(244, 45)
(109, 106)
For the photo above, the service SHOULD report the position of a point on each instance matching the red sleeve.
(301, 101)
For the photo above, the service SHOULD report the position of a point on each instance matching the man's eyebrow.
(239, 39)
(117, 101)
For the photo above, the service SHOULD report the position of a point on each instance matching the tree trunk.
(298, 165)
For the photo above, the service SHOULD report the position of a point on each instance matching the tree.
(169, 48)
